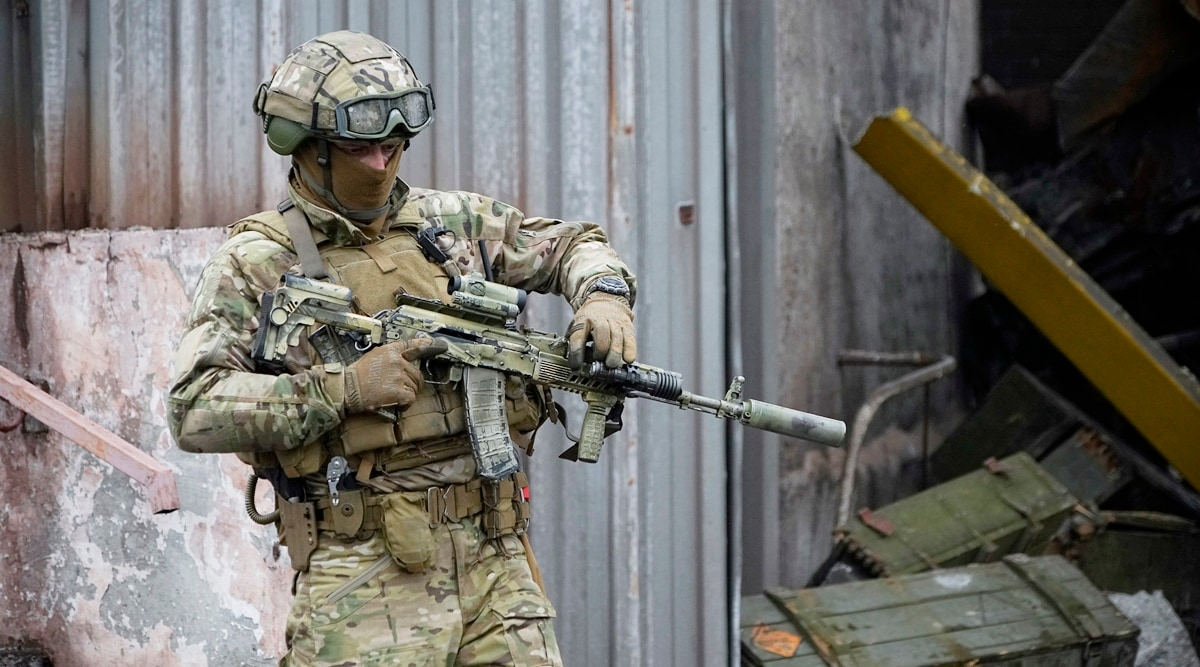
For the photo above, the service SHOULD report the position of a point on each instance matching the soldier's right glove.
(388, 375)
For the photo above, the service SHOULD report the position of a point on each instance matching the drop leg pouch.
(407, 532)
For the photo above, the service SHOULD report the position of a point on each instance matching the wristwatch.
(609, 284)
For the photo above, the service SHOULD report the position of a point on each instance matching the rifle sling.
(302, 240)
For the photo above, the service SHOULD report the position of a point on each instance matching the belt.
(504, 504)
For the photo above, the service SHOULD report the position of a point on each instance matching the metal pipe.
(862, 419)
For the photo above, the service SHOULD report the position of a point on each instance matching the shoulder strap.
(302, 240)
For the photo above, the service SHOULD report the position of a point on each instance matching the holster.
(298, 530)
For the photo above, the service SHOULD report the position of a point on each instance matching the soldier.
(409, 555)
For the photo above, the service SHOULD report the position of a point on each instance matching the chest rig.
(400, 260)
(376, 272)
(407, 259)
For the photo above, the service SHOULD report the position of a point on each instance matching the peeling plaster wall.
(88, 571)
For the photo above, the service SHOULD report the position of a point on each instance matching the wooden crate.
(1009, 506)
(1024, 610)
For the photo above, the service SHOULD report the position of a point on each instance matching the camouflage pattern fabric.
(477, 605)
(331, 69)
(219, 403)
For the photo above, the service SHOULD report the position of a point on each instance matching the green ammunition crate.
(1023, 611)
(1010, 506)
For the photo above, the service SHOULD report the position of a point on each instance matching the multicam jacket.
(220, 402)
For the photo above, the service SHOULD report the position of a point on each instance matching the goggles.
(378, 116)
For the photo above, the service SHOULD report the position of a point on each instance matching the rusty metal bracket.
(933, 368)
(1156, 395)
(145, 469)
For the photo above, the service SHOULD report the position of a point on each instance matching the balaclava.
(346, 184)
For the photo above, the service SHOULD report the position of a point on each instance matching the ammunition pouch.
(503, 503)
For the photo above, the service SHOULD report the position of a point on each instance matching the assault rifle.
(484, 344)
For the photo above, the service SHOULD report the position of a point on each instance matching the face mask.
(357, 188)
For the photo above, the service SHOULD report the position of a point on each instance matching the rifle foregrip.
(794, 423)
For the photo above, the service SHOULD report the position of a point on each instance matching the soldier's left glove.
(607, 320)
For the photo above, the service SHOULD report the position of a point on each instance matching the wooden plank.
(1120, 359)
(143, 468)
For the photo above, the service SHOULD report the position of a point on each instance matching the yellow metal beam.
(1156, 395)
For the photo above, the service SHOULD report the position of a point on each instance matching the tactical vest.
(436, 420)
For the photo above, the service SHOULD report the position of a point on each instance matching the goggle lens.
(377, 116)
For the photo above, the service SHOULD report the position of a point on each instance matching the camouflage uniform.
(477, 603)
(401, 581)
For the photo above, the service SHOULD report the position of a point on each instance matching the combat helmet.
(342, 85)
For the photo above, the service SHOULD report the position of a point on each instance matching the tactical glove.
(608, 320)
(388, 375)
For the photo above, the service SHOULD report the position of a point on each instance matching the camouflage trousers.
(477, 605)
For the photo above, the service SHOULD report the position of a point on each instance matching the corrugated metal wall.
(136, 113)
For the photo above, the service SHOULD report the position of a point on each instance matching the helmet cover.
(303, 95)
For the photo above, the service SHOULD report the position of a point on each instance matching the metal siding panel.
(75, 160)
(99, 45)
(449, 145)
(192, 116)
(685, 499)
(752, 104)
(851, 269)
(10, 69)
(710, 485)
(579, 80)
(116, 104)
(24, 92)
(625, 219)
(49, 54)
(273, 47)
(496, 99)
(232, 76)
(537, 132)
(408, 27)
(358, 17)
(655, 299)
(149, 59)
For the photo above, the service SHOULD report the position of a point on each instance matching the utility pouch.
(407, 531)
(299, 522)
(365, 432)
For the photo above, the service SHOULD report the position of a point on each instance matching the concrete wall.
(89, 572)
